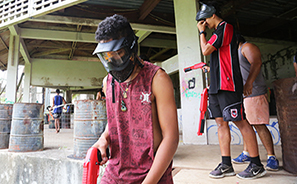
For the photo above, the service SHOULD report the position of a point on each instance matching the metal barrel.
(285, 91)
(65, 120)
(5, 124)
(89, 123)
(26, 128)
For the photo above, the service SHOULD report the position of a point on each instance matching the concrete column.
(12, 68)
(68, 98)
(47, 97)
(27, 81)
(191, 83)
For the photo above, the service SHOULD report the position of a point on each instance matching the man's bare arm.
(162, 89)
(206, 48)
(252, 53)
(295, 67)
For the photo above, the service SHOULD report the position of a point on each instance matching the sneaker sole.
(221, 176)
(271, 169)
(245, 162)
(257, 176)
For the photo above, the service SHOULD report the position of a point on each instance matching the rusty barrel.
(285, 91)
(5, 124)
(26, 128)
(89, 123)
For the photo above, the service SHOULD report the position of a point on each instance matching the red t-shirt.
(224, 65)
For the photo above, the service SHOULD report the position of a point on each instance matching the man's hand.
(201, 25)
(102, 145)
(247, 89)
(205, 69)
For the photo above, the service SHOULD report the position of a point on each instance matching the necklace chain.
(124, 94)
(126, 90)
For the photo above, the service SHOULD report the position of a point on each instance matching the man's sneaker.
(252, 171)
(272, 164)
(241, 159)
(222, 170)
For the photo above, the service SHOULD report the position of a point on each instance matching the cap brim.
(113, 45)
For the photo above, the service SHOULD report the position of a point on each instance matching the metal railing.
(16, 11)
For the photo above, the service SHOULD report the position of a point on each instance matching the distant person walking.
(57, 102)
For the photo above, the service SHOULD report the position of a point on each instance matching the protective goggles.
(113, 54)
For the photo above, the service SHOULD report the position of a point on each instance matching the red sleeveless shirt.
(131, 132)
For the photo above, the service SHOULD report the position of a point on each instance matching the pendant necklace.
(124, 95)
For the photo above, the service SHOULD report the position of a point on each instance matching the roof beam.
(95, 22)
(233, 6)
(159, 43)
(146, 8)
(277, 21)
(142, 35)
(15, 30)
(159, 53)
(57, 35)
(86, 37)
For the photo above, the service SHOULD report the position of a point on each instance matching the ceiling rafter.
(277, 21)
(233, 6)
(146, 8)
(15, 30)
(95, 22)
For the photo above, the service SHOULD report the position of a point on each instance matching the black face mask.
(124, 74)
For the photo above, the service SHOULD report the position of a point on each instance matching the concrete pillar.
(47, 97)
(68, 98)
(12, 68)
(27, 82)
(33, 93)
(191, 83)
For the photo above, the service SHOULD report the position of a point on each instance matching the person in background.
(142, 130)
(225, 91)
(100, 95)
(256, 100)
(57, 109)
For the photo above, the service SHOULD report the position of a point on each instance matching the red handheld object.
(203, 108)
(196, 66)
(91, 166)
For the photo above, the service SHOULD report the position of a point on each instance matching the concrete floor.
(192, 163)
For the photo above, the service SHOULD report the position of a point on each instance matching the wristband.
(203, 32)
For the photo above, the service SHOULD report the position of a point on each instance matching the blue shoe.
(272, 164)
(241, 159)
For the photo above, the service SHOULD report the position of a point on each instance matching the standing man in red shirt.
(225, 92)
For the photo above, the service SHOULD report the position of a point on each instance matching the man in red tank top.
(142, 131)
